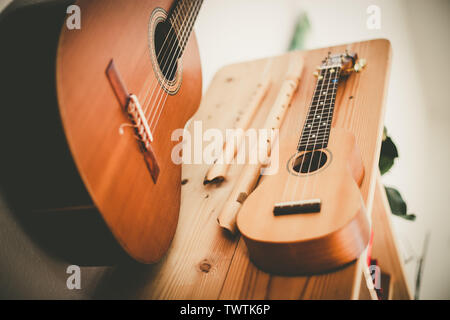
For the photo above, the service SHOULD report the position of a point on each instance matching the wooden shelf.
(385, 248)
(204, 262)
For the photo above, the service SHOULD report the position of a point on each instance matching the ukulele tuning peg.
(359, 65)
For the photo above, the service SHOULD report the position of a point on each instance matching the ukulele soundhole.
(309, 162)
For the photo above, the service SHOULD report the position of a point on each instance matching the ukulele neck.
(316, 129)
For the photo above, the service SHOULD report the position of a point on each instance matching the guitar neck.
(182, 17)
(316, 130)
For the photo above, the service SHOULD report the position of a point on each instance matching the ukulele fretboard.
(316, 129)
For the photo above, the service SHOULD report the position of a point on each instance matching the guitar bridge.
(295, 207)
(132, 107)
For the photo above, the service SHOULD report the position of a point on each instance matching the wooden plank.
(245, 281)
(203, 262)
(367, 290)
(199, 258)
(385, 247)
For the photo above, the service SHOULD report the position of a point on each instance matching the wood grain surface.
(204, 262)
(297, 244)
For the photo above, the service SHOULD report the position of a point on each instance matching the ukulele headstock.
(348, 62)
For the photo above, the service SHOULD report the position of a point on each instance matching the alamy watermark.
(374, 19)
(375, 273)
(254, 146)
(74, 280)
(73, 21)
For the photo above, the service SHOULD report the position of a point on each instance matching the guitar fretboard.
(316, 129)
(182, 17)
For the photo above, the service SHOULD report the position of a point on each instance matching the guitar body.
(305, 243)
(143, 215)
(103, 155)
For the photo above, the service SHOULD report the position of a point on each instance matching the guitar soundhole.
(167, 49)
(165, 52)
(309, 162)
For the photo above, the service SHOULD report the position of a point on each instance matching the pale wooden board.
(385, 247)
(203, 261)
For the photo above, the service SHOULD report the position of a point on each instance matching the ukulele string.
(328, 116)
(313, 135)
(148, 79)
(177, 22)
(311, 125)
(184, 30)
(296, 177)
(185, 38)
(323, 102)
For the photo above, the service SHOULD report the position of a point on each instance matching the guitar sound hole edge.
(169, 74)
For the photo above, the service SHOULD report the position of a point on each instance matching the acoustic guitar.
(310, 216)
(91, 111)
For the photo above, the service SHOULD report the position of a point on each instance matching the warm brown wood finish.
(69, 151)
(141, 214)
(203, 262)
(311, 221)
(308, 242)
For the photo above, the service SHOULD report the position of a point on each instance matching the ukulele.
(92, 111)
(310, 216)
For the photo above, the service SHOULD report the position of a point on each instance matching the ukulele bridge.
(295, 207)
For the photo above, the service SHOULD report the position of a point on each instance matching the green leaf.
(301, 29)
(397, 204)
(388, 153)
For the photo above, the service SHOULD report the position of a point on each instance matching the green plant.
(388, 155)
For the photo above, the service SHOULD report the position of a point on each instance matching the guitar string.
(184, 42)
(309, 136)
(177, 50)
(148, 79)
(183, 28)
(329, 115)
(177, 22)
(185, 38)
(298, 146)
